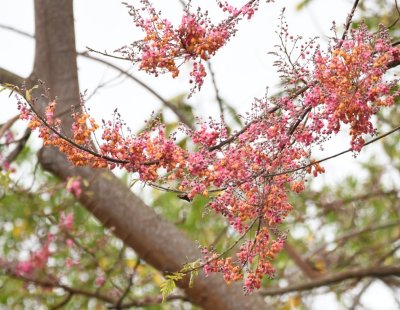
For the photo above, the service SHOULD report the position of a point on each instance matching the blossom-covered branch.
(165, 46)
(258, 166)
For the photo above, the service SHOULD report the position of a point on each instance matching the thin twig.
(20, 146)
(356, 300)
(355, 233)
(216, 89)
(50, 282)
(398, 16)
(7, 125)
(21, 32)
(129, 286)
(81, 147)
(332, 156)
(237, 134)
(104, 84)
(63, 303)
(348, 22)
(107, 54)
(338, 204)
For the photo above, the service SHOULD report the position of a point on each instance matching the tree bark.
(155, 240)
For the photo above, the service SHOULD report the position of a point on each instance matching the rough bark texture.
(158, 242)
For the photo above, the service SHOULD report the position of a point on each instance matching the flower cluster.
(74, 186)
(351, 87)
(39, 258)
(52, 134)
(165, 47)
(242, 172)
(247, 175)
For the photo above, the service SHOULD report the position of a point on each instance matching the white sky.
(243, 70)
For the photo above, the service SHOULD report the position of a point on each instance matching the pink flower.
(25, 267)
(66, 221)
(69, 262)
(100, 280)
(74, 186)
(37, 261)
(69, 243)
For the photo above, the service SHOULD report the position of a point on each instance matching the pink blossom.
(69, 243)
(74, 186)
(66, 221)
(69, 263)
(37, 261)
(24, 268)
(100, 280)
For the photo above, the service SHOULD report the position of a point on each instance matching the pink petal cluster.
(165, 47)
(74, 187)
(37, 261)
(351, 86)
(66, 220)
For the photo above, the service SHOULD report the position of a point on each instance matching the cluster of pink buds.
(165, 46)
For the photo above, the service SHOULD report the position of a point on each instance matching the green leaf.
(28, 92)
(195, 266)
(28, 95)
(176, 276)
(167, 287)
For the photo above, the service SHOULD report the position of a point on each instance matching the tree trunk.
(155, 240)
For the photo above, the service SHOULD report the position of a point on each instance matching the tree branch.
(348, 21)
(333, 156)
(9, 77)
(331, 279)
(338, 204)
(354, 233)
(20, 146)
(300, 262)
(216, 90)
(47, 282)
(13, 29)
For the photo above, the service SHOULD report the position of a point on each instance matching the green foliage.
(31, 208)
(193, 269)
(168, 286)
